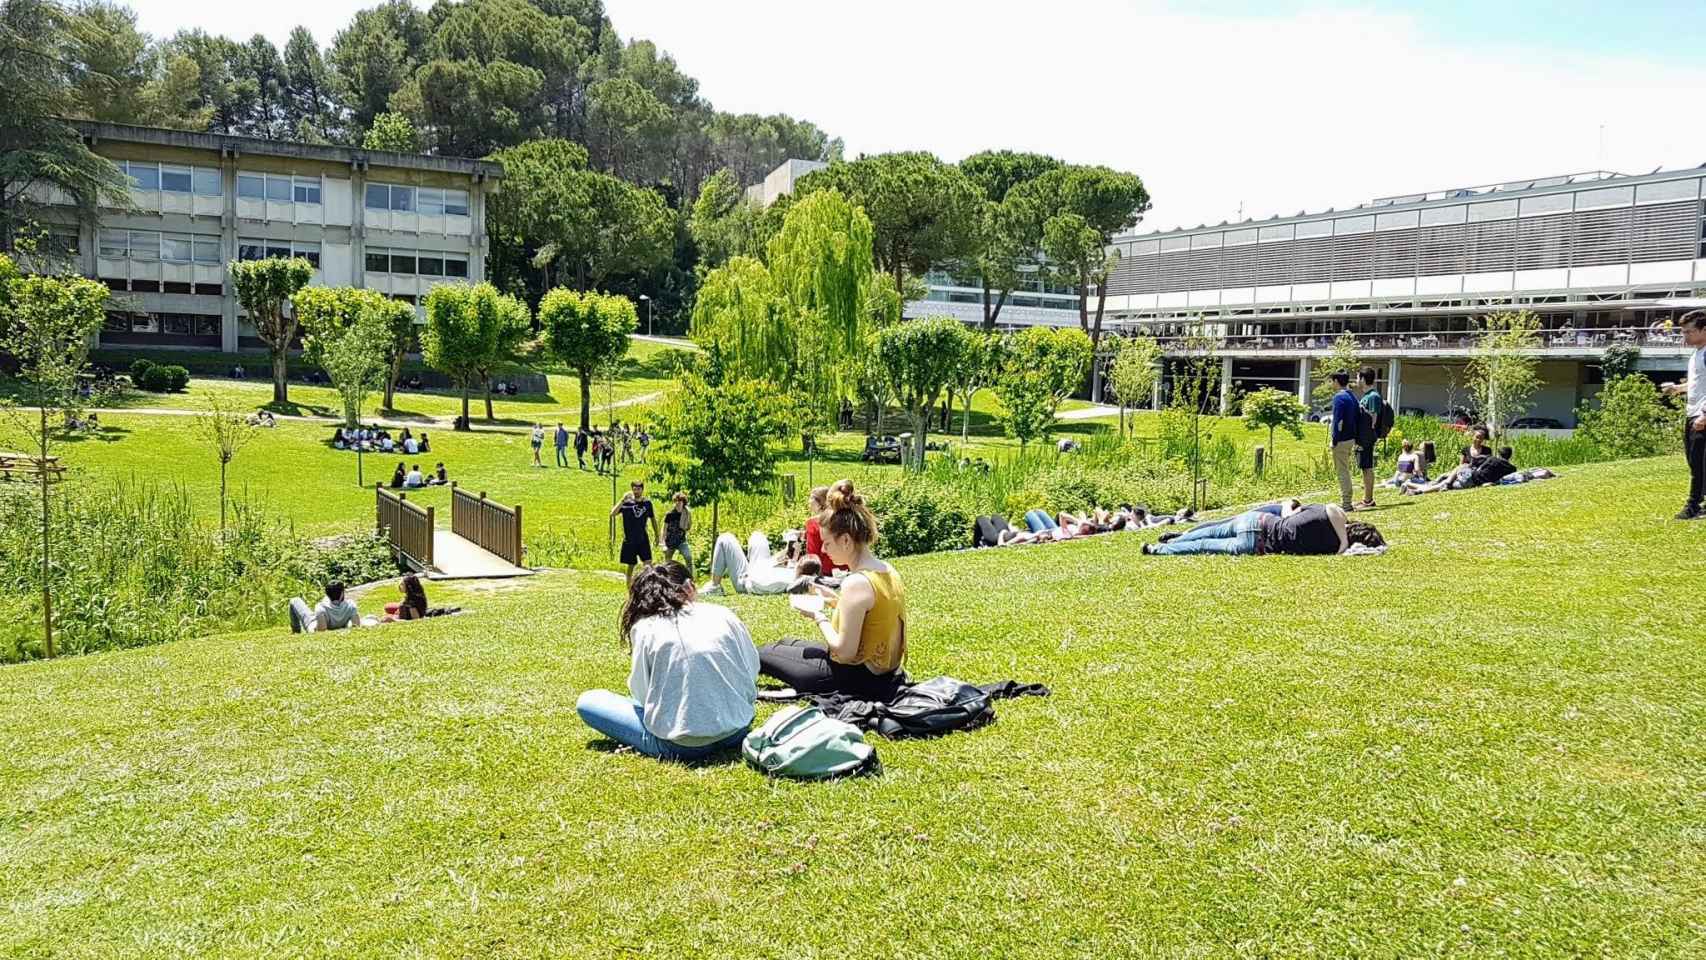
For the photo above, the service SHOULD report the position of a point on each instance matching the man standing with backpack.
(1373, 425)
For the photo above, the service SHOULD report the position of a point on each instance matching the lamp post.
(648, 302)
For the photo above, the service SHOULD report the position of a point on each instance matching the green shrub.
(139, 370)
(1633, 419)
(161, 378)
(920, 515)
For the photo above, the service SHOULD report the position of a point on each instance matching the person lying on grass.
(863, 639)
(756, 571)
(1287, 528)
(694, 673)
(1484, 472)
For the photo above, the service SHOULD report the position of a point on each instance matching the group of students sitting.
(413, 479)
(379, 440)
(803, 565)
(1478, 466)
(693, 676)
(1041, 527)
(336, 611)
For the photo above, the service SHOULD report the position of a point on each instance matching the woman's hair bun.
(842, 496)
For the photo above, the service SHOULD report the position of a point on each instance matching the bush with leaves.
(920, 515)
(1044, 365)
(164, 378)
(1632, 419)
(1273, 409)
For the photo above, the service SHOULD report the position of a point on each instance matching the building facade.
(1603, 260)
(391, 222)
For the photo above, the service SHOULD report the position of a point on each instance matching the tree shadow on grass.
(291, 408)
(103, 435)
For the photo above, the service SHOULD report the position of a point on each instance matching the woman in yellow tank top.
(864, 638)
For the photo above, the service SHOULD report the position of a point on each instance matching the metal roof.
(223, 143)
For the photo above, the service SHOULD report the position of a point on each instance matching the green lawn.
(1486, 742)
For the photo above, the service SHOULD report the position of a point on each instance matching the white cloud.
(1278, 113)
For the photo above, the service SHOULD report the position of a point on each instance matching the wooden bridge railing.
(487, 524)
(407, 525)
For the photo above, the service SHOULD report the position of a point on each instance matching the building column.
(228, 244)
(1304, 387)
(1394, 385)
(1225, 385)
(477, 239)
(358, 224)
(1160, 372)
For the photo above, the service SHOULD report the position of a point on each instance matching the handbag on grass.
(803, 744)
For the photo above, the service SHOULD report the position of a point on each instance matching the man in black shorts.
(636, 510)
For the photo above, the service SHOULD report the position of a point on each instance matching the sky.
(1225, 108)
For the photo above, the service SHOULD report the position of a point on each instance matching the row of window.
(171, 324)
(201, 181)
(250, 248)
(278, 188)
(424, 200)
(425, 263)
(154, 245)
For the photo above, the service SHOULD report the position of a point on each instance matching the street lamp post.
(648, 302)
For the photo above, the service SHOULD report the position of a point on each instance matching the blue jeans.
(1234, 536)
(562, 456)
(686, 551)
(1039, 521)
(623, 720)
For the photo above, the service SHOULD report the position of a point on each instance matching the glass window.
(208, 182)
(378, 196)
(378, 261)
(403, 263)
(206, 326)
(278, 189)
(1609, 197)
(307, 191)
(144, 176)
(1671, 190)
(1494, 210)
(177, 247)
(278, 248)
(251, 250)
(1545, 203)
(1314, 228)
(309, 252)
(456, 203)
(431, 266)
(403, 198)
(144, 245)
(175, 179)
(1444, 216)
(177, 323)
(431, 202)
(251, 187)
(455, 267)
(144, 323)
(115, 243)
(62, 243)
(206, 249)
(116, 323)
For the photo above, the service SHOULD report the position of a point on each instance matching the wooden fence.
(407, 525)
(486, 524)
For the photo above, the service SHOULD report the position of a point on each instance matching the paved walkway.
(1089, 413)
(458, 559)
(438, 423)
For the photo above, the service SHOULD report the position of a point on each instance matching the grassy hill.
(1485, 742)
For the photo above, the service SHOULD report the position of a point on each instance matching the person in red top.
(819, 501)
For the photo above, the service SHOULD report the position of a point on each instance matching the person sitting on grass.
(410, 444)
(414, 481)
(756, 570)
(386, 444)
(399, 476)
(439, 476)
(693, 677)
(1410, 468)
(414, 604)
(1484, 472)
(1319, 530)
(338, 441)
(862, 642)
(335, 611)
(426, 447)
(1477, 450)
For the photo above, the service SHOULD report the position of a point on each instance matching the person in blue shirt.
(1346, 416)
(562, 443)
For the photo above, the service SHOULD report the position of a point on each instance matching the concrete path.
(437, 423)
(457, 559)
(1089, 413)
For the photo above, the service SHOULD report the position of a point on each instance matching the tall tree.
(375, 55)
(586, 332)
(263, 289)
(822, 266)
(1503, 370)
(325, 314)
(393, 132)
(918, 360)
(38, 150)
(723, 223)
(470, 332)
(923, 212)
(310, 112)
(1079, 210)
(1006, 239)
(980, 363)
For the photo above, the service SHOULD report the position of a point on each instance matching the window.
(431, 265)
(206, 326)
(144, 176)
(456, 203)
(178, 324)
(206, 249)
(309, 252)
(402, 263)
(144, 245)
(144, 323)
(251, 250)
(431, 202)
(307, 190)
(176, 179)
(278, 189)
(378, 261)
(208, 182)
(116, 323)
(456, 267)
(403, 198)
(378, 196)
(251, 187)
(177, 247)
(115, 243)
(61, 243)
(278, 248)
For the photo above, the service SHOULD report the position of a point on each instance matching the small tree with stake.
(918, 360)
(1132, 375)
(714, 440)
(229, 433)
(45, 326)
(1273, 409)
(1503, 372)
(264, 287)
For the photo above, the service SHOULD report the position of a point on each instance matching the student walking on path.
(1694, 405)
(1368, 433)
(580, 447)
(537, 440)
(636, 511)
(1346, 413)
(562, 444)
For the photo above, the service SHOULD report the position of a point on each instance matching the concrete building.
(951, 293)
(392, 222)
(1603, 259)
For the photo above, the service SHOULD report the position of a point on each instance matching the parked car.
(881, 450)
(1535, 423)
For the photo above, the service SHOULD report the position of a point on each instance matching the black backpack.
(936, 706)
(1383, 421)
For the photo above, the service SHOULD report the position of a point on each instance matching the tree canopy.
(470, 332)
(587, 332)
(919, 360)
(1044, 365)
(922, 211)
(263, 288)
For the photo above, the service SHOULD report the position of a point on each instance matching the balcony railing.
(1596, 338)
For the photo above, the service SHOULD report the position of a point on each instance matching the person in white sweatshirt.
(1693, 391)
(694, 677)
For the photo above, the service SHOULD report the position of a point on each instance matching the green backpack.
(802, 743)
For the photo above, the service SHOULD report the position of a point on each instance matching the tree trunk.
(921, 424)
(46, 544)
(965, 423)
(391, 381)
(222, 463)
(489, 415)
(988, 317)
(464, 405)
(586, 401)
(280, 374)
